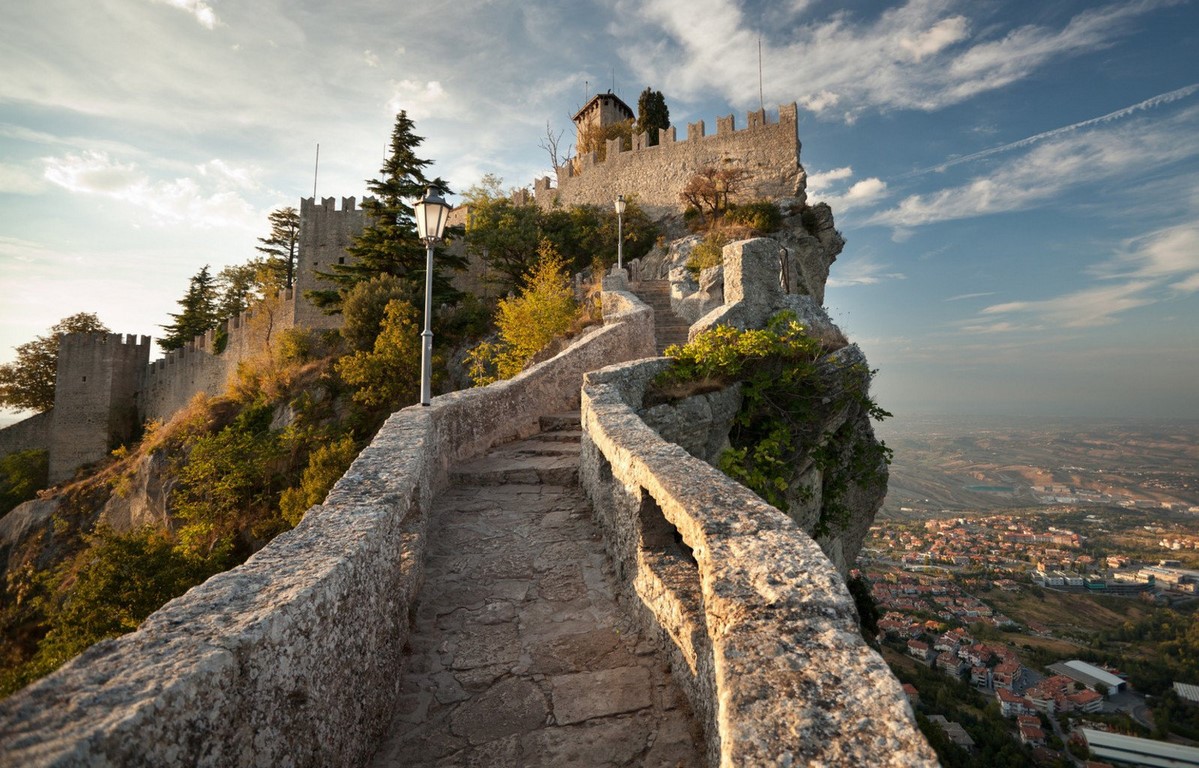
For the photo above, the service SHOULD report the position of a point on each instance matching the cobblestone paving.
(520, 655)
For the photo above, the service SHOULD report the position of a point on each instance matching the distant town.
(1043, 614)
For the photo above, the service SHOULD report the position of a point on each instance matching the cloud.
(1086, 308)
(1068, 160)
(822, 186)
(17, 180)
(1167, 253)
(177, 201)
(202, 11)
(964, 296)
(862, 272)
(923, 54)
(420, 99)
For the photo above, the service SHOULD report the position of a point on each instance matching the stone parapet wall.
(292, 658)
(768, 152)
(762, 628)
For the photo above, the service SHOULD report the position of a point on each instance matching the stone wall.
(291, 658)
(761, 627)
(28, 434)
(95, 397)
(170, 382)
(769, 152)
(325, 233)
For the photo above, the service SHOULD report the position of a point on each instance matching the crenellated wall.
(264, 664)
(105, 391)
(96, 393)
(171, 381)
(768, 152)
(325, 233)
(760, 626)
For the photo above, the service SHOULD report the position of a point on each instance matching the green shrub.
(786, 381)
(22, 475)
(544, 310)
(761, 217)
(325, 467)
(389, 375)
(708, 253)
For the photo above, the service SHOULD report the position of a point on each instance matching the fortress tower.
(95, 398)
(325, 233)
(603, 109)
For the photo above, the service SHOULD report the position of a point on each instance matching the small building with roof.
(1089, 675)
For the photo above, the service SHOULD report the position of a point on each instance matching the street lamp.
(619, 231)
(431, 214)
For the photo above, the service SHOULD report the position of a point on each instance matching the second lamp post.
(431, 213)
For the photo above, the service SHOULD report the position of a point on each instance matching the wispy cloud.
(176, 201)
(1129, 111)
(1147, 270)
(200, 10)
(862, 271)
(964, 296)
(1105, 150)
(924, 54)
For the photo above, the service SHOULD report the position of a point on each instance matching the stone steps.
(669, 328)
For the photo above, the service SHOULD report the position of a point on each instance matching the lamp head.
(431, 212)
(620, 203)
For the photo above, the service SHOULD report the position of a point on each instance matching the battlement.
(73, 342)
(309, 206)
(768, 153)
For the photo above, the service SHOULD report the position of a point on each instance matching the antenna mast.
(315, 169)
(761, 100)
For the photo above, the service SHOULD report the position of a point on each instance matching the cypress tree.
(389, 245)
(652, 114)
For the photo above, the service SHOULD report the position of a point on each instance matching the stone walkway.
(520, 655)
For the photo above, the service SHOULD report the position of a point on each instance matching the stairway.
(519, 653)
(669, 328)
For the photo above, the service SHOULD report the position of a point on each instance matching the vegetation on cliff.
(791, 385)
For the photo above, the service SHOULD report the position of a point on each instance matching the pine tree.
(389, 245)
(29, 381)
(652, 114)
(199, 313)
(282, 247)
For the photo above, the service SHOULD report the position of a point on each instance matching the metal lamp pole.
(431, 213)
(620, 231)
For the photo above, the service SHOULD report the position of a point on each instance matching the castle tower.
(325, 233)
(603, 109)
(96, 397)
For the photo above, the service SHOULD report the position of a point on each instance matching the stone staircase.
(669, 328)
(519, 654)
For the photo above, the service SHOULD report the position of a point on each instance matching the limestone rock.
(142, 498)
(700, 423)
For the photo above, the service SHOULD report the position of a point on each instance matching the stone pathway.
(520, 655)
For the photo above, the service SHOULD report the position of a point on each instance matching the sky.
(1018, 183)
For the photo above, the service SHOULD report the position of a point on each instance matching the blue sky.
(1018, 182)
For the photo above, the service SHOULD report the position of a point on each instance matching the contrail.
(1141, 106)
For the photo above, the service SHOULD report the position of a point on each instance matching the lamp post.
(620, 231)
(431, 213)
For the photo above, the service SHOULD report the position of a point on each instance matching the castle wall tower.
(325, 233)
(96, 396)
(603, 109)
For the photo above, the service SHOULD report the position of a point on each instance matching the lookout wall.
(767, 152)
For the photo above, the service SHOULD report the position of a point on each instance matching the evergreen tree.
(389, 245)
(283, 244)
(200, 312)
(28, 381)
(652, 114)
(242, 285)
